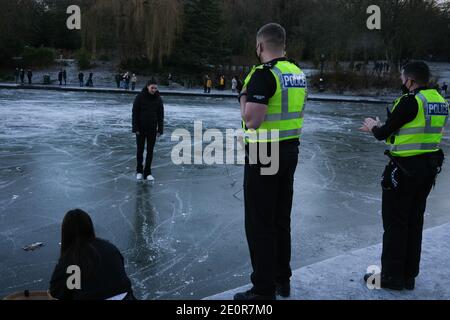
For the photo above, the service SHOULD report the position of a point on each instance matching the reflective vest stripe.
(415, 146)
(424, 107)
(269, 134)
(409, 131)
(284, 94)
(281, 117)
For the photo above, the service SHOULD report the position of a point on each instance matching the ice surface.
(183, 234)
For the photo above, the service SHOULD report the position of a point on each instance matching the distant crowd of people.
(123, 81)
(19, 75)
(129, 81)
(236, 84)
(380, 68)
(89, 82)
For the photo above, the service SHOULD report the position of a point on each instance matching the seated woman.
(100, 263)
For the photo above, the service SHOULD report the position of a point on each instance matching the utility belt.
(416, 167)
(253, 153)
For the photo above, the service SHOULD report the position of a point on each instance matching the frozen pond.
(183, 237)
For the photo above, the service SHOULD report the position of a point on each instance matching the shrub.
(104, 57)
(38, 57)
(84, 59)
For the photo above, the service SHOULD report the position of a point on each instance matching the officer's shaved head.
(273, 36)
(418, 71)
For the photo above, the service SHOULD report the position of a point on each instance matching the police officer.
(272, 103)
(413, 132)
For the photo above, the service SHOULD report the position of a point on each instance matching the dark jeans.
(403, 211)
(268, 205)
(141, 140)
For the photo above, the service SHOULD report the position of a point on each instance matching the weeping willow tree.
(135, 28)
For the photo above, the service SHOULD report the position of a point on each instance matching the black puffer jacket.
(148, 113)
(106, 279)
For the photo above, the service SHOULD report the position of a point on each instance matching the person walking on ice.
(148, 124)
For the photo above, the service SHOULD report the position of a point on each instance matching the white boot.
(150, 178)
(139, 176)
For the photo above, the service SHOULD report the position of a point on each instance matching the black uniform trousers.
(268, 205)
(403, 209)
(143, 139)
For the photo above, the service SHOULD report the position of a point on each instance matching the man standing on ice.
(272, 106)
(148, 124)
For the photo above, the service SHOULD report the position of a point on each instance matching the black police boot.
(252, 296)
(367, 276)
(284, 289)
(410, 283)
(387, 282)
(391, 283)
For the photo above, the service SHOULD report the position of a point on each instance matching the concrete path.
(340, 278)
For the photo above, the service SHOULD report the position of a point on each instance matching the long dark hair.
(77, 235)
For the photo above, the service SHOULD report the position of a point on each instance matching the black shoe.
(391, 283)
(251, 296)
(386, 282)
(367, 276)
(410, 283)
(284, 289)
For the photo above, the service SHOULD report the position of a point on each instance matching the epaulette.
(268, 65)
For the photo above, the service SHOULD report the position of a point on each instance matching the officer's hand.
(369, 124)
(138, 133)
(379, 124)
(364, 129)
